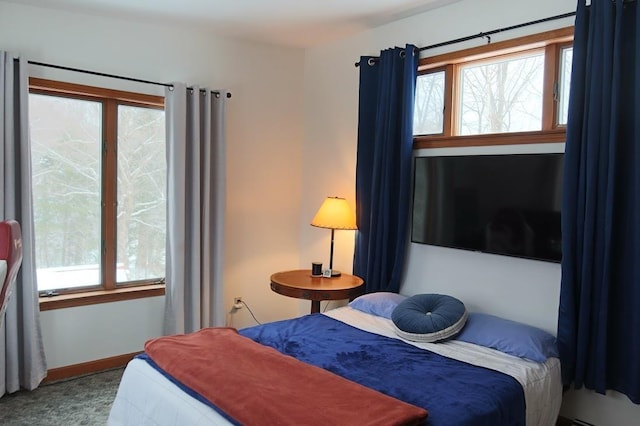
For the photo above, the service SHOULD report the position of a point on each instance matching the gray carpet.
(80, 401)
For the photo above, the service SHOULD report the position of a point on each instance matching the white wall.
(76, 335)
(264, 157)
(520, 289)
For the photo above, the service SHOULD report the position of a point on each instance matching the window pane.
(566, 60)
(141, 194)
(502, 96)
(428, 114)
(66, 167)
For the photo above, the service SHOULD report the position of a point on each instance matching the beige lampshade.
(335, 213)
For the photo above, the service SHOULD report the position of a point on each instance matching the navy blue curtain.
(383, 170)
(599, 315)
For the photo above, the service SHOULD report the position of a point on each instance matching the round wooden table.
(301, 285)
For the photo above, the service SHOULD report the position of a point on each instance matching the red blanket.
(257, 385)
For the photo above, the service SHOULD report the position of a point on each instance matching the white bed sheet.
(146, 397)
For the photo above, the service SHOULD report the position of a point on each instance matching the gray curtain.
(22, 359)
(195, 208)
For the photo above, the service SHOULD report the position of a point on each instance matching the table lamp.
(334, 213)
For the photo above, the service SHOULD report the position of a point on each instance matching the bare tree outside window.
(69, 181)
(142, 195)
(66, 167)
(504, 93)
(502, 96)
(428, 114)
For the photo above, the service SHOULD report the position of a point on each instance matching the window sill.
(62, 301)
(545, 136)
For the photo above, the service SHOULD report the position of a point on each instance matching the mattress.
(146, 396)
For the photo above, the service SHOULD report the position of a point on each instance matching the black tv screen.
(501, 204)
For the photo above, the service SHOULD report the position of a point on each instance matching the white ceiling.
(298, 23)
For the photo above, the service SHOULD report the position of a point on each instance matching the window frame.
(551, 41)
(107, 291)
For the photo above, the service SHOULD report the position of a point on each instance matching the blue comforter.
(455, 393)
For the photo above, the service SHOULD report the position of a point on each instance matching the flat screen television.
(502, 204)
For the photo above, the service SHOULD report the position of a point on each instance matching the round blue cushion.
(429, 317)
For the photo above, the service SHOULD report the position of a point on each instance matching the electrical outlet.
(237, 303)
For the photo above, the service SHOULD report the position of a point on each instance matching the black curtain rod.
(101, 74)
(488, 34)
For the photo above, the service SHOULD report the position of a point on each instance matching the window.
(501, 96)
(508, 92)
(564, 82)
(428, 114)
(99, 187)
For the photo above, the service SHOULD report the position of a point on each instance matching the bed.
(456, 382)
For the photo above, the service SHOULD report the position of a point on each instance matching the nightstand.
(301, 285)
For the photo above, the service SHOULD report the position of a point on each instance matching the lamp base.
(335, 273)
